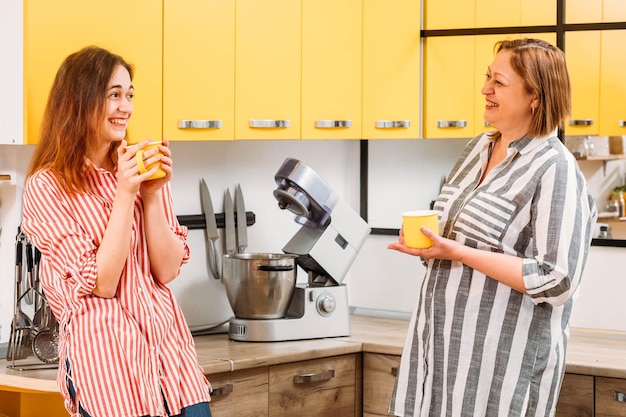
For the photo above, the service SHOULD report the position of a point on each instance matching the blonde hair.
(542, 67)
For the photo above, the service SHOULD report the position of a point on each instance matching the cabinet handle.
(581, 122)
(622, 123)
(268, 124)
(394, 371)
(619, 396)
(226, 389)
(451, 123)
(199, 124)
(328, 124)
(309, 378)
(392, 124)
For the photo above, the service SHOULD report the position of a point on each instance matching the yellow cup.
(139, 159)
(412, 221)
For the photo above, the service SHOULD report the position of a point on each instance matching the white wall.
(379, 279)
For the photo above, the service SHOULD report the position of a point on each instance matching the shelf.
(604, 159)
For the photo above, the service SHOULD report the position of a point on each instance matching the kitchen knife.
(211, 229)
(242, 222)
(229, 223)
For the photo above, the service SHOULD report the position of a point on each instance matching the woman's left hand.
(442, 247)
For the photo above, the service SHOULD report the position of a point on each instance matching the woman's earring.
(532, 110)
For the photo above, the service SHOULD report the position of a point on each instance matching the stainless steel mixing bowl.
(259, 285)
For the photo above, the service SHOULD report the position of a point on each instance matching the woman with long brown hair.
(110, 242)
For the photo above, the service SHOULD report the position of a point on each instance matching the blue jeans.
(196, 410)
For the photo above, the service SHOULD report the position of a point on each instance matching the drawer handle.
(226, 389)
(392, 124)
(581, 122)
(394, 371)
(619, 397)
(329, 124)
(622, 123)
(309, 378)
(451, 123)
(199, 124)
(269, 124)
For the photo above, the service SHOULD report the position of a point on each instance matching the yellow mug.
(412, 221)
(139, 159)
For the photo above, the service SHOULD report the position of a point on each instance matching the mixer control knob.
(326, 304)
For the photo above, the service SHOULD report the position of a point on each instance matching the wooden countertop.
(590, 352)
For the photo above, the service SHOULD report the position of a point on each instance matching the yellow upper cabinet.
(462, 14)
(331, 69)
(449, 87)
(582, 50)
(612, 84)
(53, 30)
(267, 69)
(595, 11)
(199, 69)
(391, 69)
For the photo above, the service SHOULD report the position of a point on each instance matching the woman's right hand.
(128, 177)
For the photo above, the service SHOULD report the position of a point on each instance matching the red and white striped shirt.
(127, 353)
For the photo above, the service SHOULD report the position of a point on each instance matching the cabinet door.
(11, 73)
(199, 69)
(320, 388)
(379, 377)
(267, 70)
(449, 87)
(244, 391)
(614, 11)
(53, 30)
(583, 62)
(391, 69)
(583, 11)
(610, 397)
(576, 396)
(613, 84)
(438, 14)
(331, 69)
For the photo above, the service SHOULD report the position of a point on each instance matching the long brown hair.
(73, 115)
(542, 67)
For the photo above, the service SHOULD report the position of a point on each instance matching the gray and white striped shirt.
(477, 347)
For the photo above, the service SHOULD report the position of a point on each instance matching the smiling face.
(119, 105)
(508, 104)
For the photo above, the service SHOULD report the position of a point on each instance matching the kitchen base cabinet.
(31, 404)
(243, 393)
(379, 376)
(315, 388)
(576, 396)
(610, 397)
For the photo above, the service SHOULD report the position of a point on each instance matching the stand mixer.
(326, 245)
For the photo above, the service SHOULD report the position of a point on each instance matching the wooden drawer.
(610, 397)
(315, 388)
(244, 391)
(379, 376)
(576, 397)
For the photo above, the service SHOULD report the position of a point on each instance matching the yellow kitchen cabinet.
(379, 377)
(242, 391)
(267, 69)
(331, 69)
(31, 404)
(53, 30)
(576, 396)
(487, 13)
(315, 388)
(595, 11)
(612, 84)
(582, 50)
(449, 87)
(199, 70)
(391, 69)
